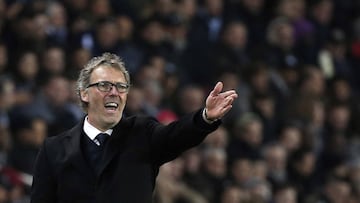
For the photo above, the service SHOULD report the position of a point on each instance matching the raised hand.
(219, 103)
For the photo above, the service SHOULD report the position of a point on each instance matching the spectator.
(247, 138)
(302, 173)
(276, 159)
(234, 194)
(190, 98)
(285, 194)
(307, 105)
(341, 91)
(354, 176)
(186, 9)
(260, 169)
(51, 104)
(99, 9)
(152, 39)
(230, 54)
(255, 16)
(78, 58)
(7, 99)
(241, 172)
(171, 189)
(2, 15)
(5, 145)
(332, 58)
(177, 30)
(3, 57)
(208, 22)
(217, 139)
(281, 41)
(260, 191)
(338, 119)
(162, 9)
(204, 32)
(286, 77)
(259, 78)
(193, 173)
(291, 136)
(127, 48)
(335, 190)
(57, 30)
(321, 15)
(103, 38)
(26, 73)
(52, 63)
(28, 138)
(264, 106)
(213, 173)
(135, 101)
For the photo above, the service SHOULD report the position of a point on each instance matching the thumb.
(217, 89)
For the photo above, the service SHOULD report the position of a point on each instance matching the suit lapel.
(115, 143)
(73, 149)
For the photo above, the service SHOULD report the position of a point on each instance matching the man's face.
(105, 108)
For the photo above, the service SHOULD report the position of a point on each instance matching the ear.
(84, 95)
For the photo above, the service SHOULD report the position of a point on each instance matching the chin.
(113, 120)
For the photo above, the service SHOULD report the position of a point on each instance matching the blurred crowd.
(292, 136)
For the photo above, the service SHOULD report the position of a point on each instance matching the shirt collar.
(91, 131)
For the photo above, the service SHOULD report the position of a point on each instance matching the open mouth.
(111, 106)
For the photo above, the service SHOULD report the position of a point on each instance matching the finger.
(234, 96)
(228, 101)
(217, 89)
(228, 93)
(225, 110)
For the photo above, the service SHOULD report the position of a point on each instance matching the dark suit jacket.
(132, 157)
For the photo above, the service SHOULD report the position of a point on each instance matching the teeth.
(111, 104)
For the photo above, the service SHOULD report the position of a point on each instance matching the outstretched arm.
(170, 141)
(218, 103)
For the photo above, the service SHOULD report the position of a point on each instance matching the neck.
(103, 127)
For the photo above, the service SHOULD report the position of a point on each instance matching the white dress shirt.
(92, 132)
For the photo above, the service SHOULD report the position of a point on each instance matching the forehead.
(107, 73)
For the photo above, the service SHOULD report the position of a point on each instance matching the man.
(77, 166)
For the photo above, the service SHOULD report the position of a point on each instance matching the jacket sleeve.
(44, 185)
(168, 142)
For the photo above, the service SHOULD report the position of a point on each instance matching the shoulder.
(137, 123)
(54, 142)
(137, 120)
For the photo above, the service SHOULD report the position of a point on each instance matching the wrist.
(206, 118)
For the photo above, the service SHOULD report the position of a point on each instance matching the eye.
(104, 85)
(121, 86)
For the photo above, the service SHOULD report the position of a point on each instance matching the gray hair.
(107, 60)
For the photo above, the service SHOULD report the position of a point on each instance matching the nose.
(113, 91)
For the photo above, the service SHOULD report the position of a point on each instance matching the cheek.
(124, 98)
(94, 100)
